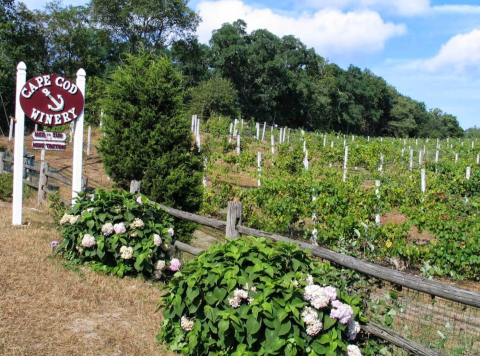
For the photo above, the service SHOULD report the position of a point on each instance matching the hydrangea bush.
(254, 296)
(120, 233)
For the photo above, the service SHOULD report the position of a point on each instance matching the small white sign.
(47, 145)
(49, 136)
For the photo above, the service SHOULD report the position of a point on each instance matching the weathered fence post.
(10, 132)
(377, 193)
(2, 165)
(263, 133)
(42, 182)
(234, 218)
(84, 183)
(89, 139)
(259, 166)
(345, 160)
(135, 186)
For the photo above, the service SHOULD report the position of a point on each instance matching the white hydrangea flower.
(309, 280)
(186, 323)
(126, 252)
(107, 229)
(295, 283)
(317, 296)
(160, 265)
(157, 240)
(353, 350)
(139, 200)
(73, 219)
(309, 316)
(240, 294)
(65, 218)
(170, 232)
(137, 223)
(234, 302)
(88, 241)
(353, 329)
(314, 328)
(342, 312)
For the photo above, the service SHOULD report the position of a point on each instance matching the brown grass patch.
(50, 309)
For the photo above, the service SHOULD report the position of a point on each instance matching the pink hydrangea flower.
(119, 228)
(342, 312)
(175, 264)
(139, 200)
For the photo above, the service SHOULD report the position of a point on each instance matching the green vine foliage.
(204, 315)
(114, 231)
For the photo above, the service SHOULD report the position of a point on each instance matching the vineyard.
(406, 203)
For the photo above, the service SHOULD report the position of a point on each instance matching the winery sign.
(51, 100)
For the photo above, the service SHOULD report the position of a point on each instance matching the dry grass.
(50, 308)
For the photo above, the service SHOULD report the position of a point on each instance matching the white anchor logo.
(59, 105)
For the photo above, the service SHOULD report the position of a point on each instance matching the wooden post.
(10, 132)
(2, 165)
(411, 159)
(259, 166)
(89, 138)
(263, 133)
(42, 182)
(238, 145)
(18, 148)
(377, 193)
(234, 218)
(135, 186)
(84, 183)
(305, 160)
(345, 160)
(424, 181)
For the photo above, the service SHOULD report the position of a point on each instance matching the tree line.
(255, 75)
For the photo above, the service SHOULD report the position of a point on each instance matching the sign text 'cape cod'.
(51, 100)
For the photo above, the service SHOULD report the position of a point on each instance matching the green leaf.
(328, 322)
(285, 328)
(318, 348)
(253, 325)
(90, 224)
(223, 326)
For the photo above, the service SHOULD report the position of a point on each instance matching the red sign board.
(49, 136)
(51, 146)
(51, 100)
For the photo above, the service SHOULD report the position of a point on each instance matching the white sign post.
(18, 149)
(78, 142)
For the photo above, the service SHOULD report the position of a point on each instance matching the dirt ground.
(51, 308)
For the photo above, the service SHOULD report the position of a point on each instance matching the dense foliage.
(147, 136)
(253, 296)
(435, 232)
(117, 232)
(271, 79)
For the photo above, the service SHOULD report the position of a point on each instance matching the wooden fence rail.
(434, 288)
(43, 177)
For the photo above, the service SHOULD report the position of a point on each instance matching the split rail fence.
(38, 176)
(233, 229)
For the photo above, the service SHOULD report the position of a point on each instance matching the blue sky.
(427, 49)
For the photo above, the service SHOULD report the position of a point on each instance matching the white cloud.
(399, 7)
(459, 56)
(459, 9)
(329, 31)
